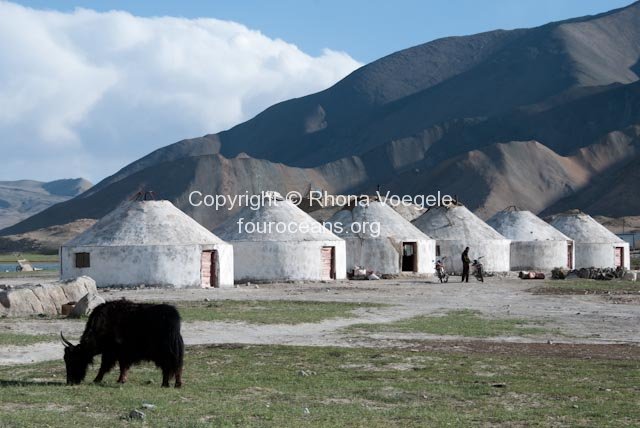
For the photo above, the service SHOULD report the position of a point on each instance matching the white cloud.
(84, 93)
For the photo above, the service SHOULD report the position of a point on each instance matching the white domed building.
(280, 242)
(535, 245)
(595, 245)
(454, 227)
(148, 242)
(380, 239)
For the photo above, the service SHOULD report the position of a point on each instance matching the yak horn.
(65, 341)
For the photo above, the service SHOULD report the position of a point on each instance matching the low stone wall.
(44, 299)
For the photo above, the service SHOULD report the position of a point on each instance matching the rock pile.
(46, 298)
(593, 273)
(601, 273)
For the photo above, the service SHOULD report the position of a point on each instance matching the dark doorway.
(409, 263)
(570, 255)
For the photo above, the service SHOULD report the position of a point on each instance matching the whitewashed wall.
(540, 255)
(600, 255)
(384, 255)
(174, 266)
(284, 260)
(497, 254)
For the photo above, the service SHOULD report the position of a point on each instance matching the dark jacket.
(465, 257)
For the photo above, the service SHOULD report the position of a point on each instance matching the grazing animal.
(127, 333)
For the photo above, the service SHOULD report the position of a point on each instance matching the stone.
(572, 275)
(86, 305)
(20, 302)
(57, 296)
(630, 276)
(46, 300)
(76, 288)
(136, 414)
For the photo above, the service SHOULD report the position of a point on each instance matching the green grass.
(268, 312)
(584, 286)
(464, 322)
(24, 339)
(262, 386)
(32, 257)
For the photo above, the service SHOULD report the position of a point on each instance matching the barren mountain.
(630, 224)
(46, 241)
(544, 118)
(24, 198)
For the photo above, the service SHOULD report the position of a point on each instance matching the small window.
(437, 250)
(83, 260)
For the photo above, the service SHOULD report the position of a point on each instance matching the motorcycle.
(441, 271)
(478, 269)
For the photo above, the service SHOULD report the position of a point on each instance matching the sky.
(87, 87)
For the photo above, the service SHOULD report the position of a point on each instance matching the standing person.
(465, 265)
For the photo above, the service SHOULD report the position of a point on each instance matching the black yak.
(126, 333)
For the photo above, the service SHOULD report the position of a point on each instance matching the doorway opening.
(409, 263)
(619, 257)
(570, 255)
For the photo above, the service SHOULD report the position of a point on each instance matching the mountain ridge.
(21, 199)
(557, 99)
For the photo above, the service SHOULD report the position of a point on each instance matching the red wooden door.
(328, 263)
(619, 256)
(205, 269)
(209, 269)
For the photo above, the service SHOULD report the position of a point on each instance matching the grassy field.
(268, 312)
(265, 386)
(7, 338)
(587, 286)
(32, 257)
(464, 322)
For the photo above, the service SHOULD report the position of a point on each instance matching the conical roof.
(392, 224)
(456, 223)
(583, 228)
(139, 223)
(409, 212)
(524, 226)
(275, 220)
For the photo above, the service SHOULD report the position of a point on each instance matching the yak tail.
(176, 348)
(179, 345)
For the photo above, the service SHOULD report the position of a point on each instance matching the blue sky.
(366, 30)
(97, 85)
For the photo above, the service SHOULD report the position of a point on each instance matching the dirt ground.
(578, 324)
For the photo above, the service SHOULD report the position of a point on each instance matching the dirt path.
(580, 319)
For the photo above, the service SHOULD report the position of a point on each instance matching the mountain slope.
(530, 117)
(208, 174)
(511, 69)
(24, 198)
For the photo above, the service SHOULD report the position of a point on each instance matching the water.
(11, 267)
